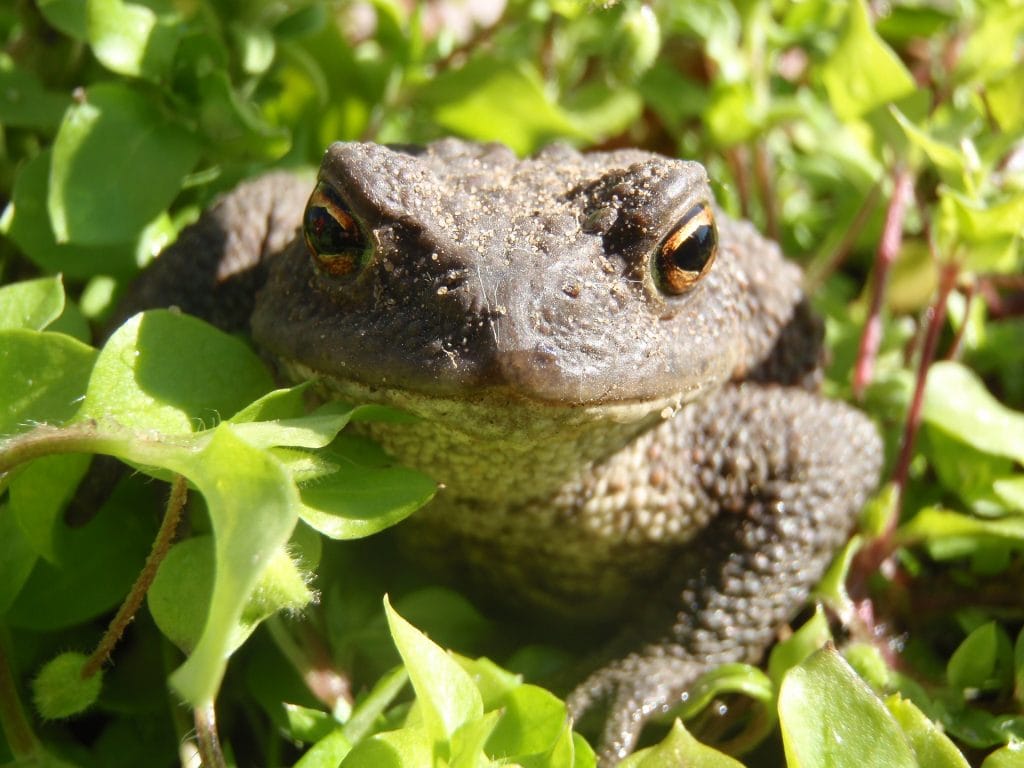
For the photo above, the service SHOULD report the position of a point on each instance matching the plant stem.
(313, 662)
(128, 609)
(45, 440)
(888, 248)
(937, 315)
(21, 740)
(206, 736)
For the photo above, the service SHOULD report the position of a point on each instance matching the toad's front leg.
(784, 472)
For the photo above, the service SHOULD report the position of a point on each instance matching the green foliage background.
(120, 121)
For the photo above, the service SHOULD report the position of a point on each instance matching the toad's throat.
(495, 444)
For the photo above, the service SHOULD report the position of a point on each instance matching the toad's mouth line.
(490, 409)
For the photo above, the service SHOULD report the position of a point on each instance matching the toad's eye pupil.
(693, 253)
(686, 255)
(327, 234)
(335, 240)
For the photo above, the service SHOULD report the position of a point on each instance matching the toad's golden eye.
(686, 255)
(334, 238)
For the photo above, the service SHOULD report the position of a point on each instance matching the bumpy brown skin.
(608, 451)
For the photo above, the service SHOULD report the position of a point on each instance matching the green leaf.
(829, 716)
(407, 748)
(373, 705)
(994, 44)
(131, 39)
(42, 378)
(832, 587)
(983, 659)
(599, 111)
(314, 430)
(281, 587)
(465, 100)
(953, 534)
(172, 373)
(32, 304)
(868, 662)
(1010, 491)
(533, 723)
(944, 156)
(233, 123)
(679, 748)
(800, 645)
(179, 597)
(445, 694)
(728, 678)
(252, 508)
(1010, 756)
(94, 565)
(286, 403)
(257, 47)
(69, 16)
(97, 194)
(930, 745)
(358, 500)
(39, 493)
(467, 743)
(863, 72)
(984, 234)
(957, 402)
(1003, 99)
(27, 222)
(732, 116)
(17, 558)
(326, 753)
(24, 102)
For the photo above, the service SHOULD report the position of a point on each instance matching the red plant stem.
(125, 614)
(888, 248)
(947, 280)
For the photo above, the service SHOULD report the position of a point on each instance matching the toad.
(615, 383)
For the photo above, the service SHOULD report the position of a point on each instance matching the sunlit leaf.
(96, 193)
(829, 716)
(32, 304)
(445, 694)
(930, 745)
(679, 748)
(863, 72)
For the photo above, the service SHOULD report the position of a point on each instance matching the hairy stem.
(45, 440)
(128, 609)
